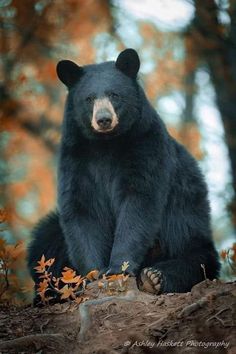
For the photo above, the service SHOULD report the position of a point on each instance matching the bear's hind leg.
(179, 274)
(48, 240)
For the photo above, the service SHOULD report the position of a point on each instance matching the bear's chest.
(101, 179)
(104, 174)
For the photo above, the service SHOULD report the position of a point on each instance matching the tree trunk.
(217, 48)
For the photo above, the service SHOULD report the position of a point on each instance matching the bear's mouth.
(104, 131)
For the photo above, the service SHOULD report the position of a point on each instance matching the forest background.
(187, 50)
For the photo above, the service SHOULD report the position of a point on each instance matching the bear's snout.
(104, 117)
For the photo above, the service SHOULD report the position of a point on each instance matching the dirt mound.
(203, 321)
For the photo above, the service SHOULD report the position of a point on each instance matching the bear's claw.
(150, 280)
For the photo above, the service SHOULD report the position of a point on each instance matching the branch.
(216, 316)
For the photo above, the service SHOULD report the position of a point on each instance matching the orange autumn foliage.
(69, 277)
(189, 135)
(12, 258)
(51, 287)
(30, 118)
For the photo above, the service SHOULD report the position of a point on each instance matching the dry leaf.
(69, 277)
(124, 266)
(67, 292)
(93, 275)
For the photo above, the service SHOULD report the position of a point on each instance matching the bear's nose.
(104, 119)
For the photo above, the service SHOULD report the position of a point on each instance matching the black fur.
(122, 193)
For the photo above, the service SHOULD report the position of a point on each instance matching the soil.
(201, 321)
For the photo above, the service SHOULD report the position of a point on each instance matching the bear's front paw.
(151, 280)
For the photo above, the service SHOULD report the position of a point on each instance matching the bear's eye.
(113, 95)
(90, 99)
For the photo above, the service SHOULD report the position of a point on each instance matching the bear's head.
(103, 98)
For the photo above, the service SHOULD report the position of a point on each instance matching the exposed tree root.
(36, 340)
(84, 310)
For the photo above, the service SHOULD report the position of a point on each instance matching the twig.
(160, 320)
(204, 271)
(218, 318)
(188, 310)
(109, 316)
(44, 325)
(38, 340)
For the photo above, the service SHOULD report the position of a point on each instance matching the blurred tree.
(214, 43)
(34, 35)
(173, 74)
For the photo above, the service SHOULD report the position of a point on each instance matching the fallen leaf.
(93, 275)
(69, 277)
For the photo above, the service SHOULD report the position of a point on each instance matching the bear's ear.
(69, 72)
(128, 62)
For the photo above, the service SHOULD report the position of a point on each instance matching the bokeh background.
(188, 54)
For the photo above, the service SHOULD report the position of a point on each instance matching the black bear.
(127, 191)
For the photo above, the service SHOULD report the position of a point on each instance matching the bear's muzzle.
(104, 118)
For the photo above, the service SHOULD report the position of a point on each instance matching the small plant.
(115, 283)
(70, 286)
(11, 257)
